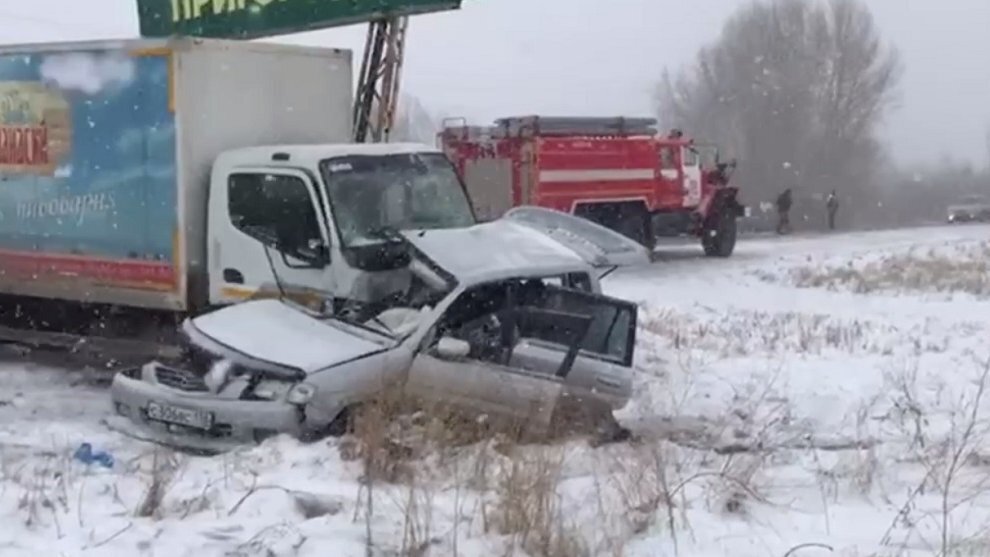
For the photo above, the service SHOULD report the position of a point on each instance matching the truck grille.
(180, 379)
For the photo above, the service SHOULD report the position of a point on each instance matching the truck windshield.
(370, 194)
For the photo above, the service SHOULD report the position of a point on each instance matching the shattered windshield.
(372, 195)
(412, 292)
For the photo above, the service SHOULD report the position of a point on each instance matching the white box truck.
(145, 180)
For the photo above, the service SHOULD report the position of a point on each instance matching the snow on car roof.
(497, 250)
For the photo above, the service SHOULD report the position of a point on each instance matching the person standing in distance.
(784, 202)
(833, 206)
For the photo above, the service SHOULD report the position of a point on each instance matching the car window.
(483, 315)
(577, 281)
(611, 334)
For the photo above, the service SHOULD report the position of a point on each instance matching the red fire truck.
(619, 172)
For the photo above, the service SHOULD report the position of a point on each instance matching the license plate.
(179, 416)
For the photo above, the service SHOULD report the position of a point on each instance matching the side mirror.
(313, 252)
(316, 252)
(452, 348)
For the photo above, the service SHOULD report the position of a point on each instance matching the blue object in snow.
(86, 455)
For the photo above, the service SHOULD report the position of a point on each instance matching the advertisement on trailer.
(87, 169)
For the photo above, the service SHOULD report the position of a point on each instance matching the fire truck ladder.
(378, 84)
(576, 125)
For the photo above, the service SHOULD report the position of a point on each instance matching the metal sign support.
(377, 97)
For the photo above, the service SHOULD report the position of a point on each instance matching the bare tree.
(796, 90)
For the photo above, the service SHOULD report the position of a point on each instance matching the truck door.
(268, 236)
(692, 176)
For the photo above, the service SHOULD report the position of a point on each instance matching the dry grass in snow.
(957, 268)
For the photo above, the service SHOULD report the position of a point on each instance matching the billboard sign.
(251, 19)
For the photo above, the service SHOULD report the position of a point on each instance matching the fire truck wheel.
(649, 235)
(719, 236)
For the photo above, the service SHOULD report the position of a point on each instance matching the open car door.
(604, 358)
(476, 375)
(599, 246)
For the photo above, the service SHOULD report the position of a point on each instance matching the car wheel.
(340, 426)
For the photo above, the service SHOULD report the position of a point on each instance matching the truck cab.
(324, 222)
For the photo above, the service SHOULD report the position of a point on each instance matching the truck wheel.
(719, 235)
(649, 235)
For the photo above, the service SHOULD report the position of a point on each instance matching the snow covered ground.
(819, 390)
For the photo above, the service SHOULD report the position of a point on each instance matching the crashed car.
(503, 319)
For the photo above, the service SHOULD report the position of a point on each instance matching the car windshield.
(371, 195)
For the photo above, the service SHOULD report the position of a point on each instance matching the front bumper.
(235, 422)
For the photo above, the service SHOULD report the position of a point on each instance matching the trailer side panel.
(88, 177)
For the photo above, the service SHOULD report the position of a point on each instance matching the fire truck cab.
(619, 172)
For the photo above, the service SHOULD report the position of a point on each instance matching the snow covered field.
(821, 395)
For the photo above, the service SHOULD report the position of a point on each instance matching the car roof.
(497, 250)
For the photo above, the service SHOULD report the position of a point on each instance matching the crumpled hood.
(273, 331)
(527, 240)
(494, 248)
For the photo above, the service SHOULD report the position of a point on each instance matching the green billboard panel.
(250, 19)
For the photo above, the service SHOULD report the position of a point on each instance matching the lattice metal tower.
(377, 97)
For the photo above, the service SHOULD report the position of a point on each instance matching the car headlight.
(301, 393)
(218, 375)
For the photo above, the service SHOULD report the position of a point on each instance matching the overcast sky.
(591, 57)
